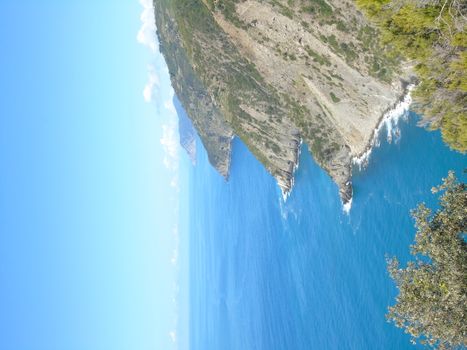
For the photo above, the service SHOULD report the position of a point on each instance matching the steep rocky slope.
(186, 131)
(276, 73)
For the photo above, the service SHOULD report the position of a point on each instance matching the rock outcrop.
(278, 72)
(186, 131)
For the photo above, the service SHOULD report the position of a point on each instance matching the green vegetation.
(218, 78)
(341, 26)
(433, 34)
(322, 60)
(287, 12)
(381, 62)
(219, 70)
(227, 7)
(334, 98)
(318, 6)
(432, 301)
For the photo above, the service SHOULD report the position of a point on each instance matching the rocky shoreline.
(277, 79)
(392, 116)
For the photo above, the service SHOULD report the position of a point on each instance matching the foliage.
(432, 33)
(432, 300)
(318, 6)
(322, 60)
(334, 98)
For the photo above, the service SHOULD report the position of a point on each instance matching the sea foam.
(347, 206)
(390, 120)
(286, 194)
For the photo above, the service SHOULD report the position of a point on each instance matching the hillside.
(432, 35)
(276, 73)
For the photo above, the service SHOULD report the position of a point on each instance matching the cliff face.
(186, 130)
(195, 98)
(277, 72)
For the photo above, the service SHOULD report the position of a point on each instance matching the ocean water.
(265, 274)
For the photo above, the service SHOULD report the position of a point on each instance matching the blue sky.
(92, 179)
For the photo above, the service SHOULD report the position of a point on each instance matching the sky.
(91, 179)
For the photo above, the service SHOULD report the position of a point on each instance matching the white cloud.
(174, 259)
(153, 81)
(174, 183)
(173, 336)
(158, 91)
(169, 142)
(169, 104)
(176, 239)
(169, 139)
(147, 33)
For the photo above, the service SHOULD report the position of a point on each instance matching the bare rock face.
(278, 72)
(215, 133)
(186, 130)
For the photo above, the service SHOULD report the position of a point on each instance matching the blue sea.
(302, 274)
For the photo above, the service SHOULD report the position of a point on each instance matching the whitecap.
(390, 120)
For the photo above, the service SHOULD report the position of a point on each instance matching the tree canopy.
(432, 34)
(432, 301)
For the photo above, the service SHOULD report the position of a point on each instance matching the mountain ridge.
(276, 74)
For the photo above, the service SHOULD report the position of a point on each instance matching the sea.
(270, 274)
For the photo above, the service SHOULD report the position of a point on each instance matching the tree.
(432, 300)
(432, 35)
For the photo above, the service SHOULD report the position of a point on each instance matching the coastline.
(389, 118)
(286, 192)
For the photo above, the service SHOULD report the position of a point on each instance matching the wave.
(389, 120)
(286, 193)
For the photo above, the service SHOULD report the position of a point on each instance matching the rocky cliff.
(278, 72)
(186, 131)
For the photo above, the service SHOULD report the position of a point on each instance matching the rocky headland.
(277, 73)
